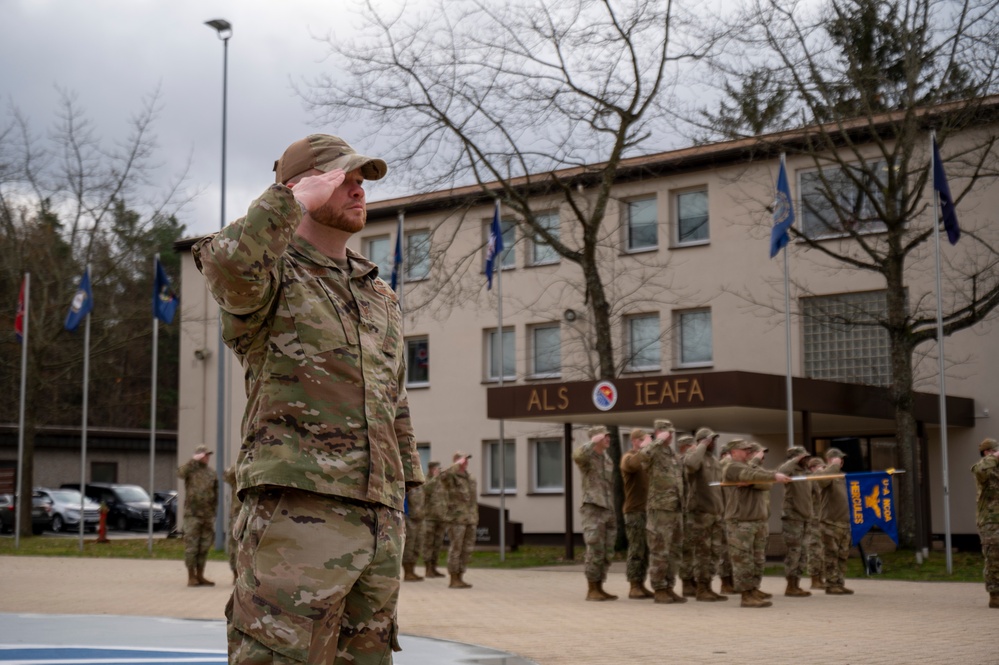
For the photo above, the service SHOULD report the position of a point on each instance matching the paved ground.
(540, 615)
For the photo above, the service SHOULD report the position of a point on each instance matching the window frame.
(408, 255)
(630, 320)
(511, 467)
(410, 383)
(678, 239)
(537, 242)
(630, 248)
(533, 448)
(678, 320)
(489, 336)
(383, 271)
(811, 219)
(533, 340)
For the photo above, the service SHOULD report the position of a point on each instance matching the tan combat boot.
(994, 600)
(677, 598)
(761, 594)
(838, 590)
(639, 592)
(689, 589)
(409, 574)
(665, 597)
(433, 572)
(607, 596)
(726, 587)
(200, 572)
(717, 596)
(458, 583)
(704, 593)
(794, 590)
(749, 599)
(817, 582)
(192, 576)
(593, 591)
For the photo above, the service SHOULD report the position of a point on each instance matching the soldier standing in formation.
(986, 472)
(201, 495)
(816, 550)
(435, 520)
(636, 489)
(683, 446)
(459, 486)
(597, 511)
(705, 505)
(796, 521)
(835, 525)
(414, 534)
(664, 512)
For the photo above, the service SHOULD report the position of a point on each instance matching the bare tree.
(865, 81)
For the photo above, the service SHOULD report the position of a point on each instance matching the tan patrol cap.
(326, 153)
(202, 450)
(705, 433)
(662, 424)
(987, 445)
(685, 440)
(796, 451)
(596, 430)
(638, 433)
(834, 452)
(459, 454)
(740, 444)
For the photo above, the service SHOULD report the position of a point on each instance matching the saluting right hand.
(315, 190)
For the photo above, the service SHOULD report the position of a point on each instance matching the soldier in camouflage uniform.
(706, 508)
(683, 446)
(816, 551)
(796, 520)
(463, 504)
(725, 562)
(746, 520)
(664, 512)
(636, 488)
(328, 447)
(415, 514)
(435, 520)
(229, 476)
(599, 523)
(836, 536)
(201, 495)
(986, 472)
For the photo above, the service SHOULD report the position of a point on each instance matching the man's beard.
(328, 215)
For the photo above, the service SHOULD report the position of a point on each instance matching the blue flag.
(397, 259)
(83, 302)
(783, 213)
(948, 211)
(495, 247)
(872, 503)
(165, 301)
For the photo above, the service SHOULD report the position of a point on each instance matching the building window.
(546, 351)
(509, 466)
(379, 251)
(838, 201)
(494, 356)
(543, 253)
(423, 449)
(694, 341)
(546, 467)
(692, 217)
(417, 255)
(643, 342)
(643, 227)
(843, 339)
(417, 362)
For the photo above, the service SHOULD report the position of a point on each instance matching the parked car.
(128, 505)
(41, 514)
(169, 500)
(66, 509)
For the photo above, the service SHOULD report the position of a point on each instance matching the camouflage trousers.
(665, 537)
(706, 546)
(836, 550)
(816, 552)
(725, 560)
(414, 541)
(687, 560)
(598, 534)
(462, 537)
(795, 534)
(747, 543)
(433, 540)
(318, 583)
(199, 536)
(638, 551)
(990, 549)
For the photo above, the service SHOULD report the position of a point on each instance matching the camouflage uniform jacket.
(435, 500)
(201, 489)
(987, 493)
(460, 488)
(598, 475)
(665, 471)
(702, 470)
(797, 496)
(323, 355)
(415, 508)
(749, 503)
(835, 507)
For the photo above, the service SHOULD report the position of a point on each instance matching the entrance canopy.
(725, 401)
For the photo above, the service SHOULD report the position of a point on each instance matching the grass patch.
(128, 548)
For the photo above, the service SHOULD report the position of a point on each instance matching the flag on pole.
(872, 503)
(495, 246)
(948, 211)
(783, 213)
(165, 301)
(397, 259)
(83, 302)
(19, 317)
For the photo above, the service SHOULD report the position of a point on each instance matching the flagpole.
(502, 346)
(944, 468)
(787, 326)
(83, 426)
(20, 426)
(152, 401)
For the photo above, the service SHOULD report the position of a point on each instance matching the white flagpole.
(20, 426)
(944, 467)
(787, 330)
(83, 426)
(152, 408)
(502, 371)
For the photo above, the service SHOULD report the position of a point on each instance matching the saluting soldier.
(463, 504)
(835, 525)
(987, 498)
(816, 550)
(435, 520)
(635, 479)
(796, 520)
(705, 504)
(664, 512)
(597, 511)
(201, 495)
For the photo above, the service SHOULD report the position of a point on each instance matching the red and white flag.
(19, 317)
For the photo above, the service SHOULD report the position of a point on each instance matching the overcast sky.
(112, 53)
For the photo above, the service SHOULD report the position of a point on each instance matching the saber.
(795, 479)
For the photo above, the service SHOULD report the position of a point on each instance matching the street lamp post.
(224, 30)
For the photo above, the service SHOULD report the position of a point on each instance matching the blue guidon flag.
(83, 303)
(872, 503)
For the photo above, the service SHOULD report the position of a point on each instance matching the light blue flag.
(783, 213)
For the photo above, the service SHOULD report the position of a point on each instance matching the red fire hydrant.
(102, 526)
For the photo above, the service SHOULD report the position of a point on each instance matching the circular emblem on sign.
(604, 395)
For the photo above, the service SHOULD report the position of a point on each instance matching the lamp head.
(222, 26)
